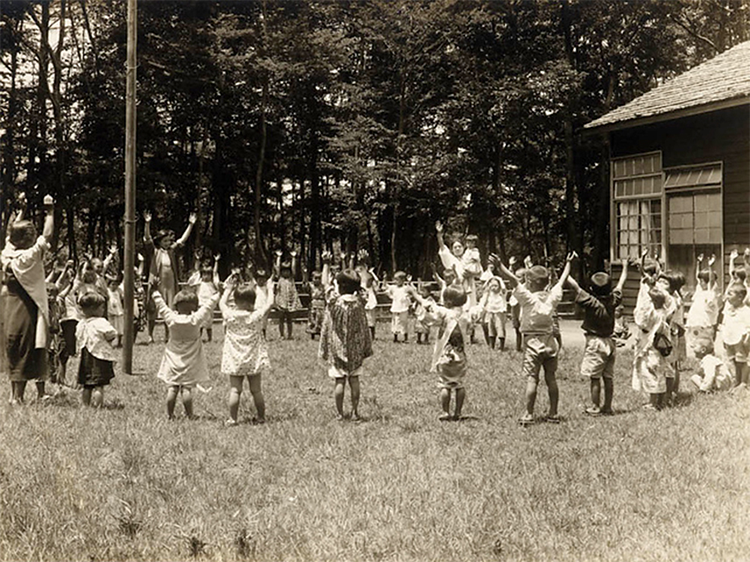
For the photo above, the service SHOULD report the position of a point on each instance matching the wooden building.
(680, 166)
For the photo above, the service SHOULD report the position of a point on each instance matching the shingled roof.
(723, 81)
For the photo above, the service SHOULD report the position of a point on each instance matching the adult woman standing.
(162, 264)
(26, 306)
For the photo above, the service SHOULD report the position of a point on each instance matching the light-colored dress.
(287, 297)
(184, 363)
(399, 308)
(245, 349)
(701, 318)
(495, 308)
(449, 355)
(650, 368)
(206, 291)
(115, 311)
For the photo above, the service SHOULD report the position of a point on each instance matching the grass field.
(124, 483)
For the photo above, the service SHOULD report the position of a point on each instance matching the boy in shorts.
(599, 307)
(540, 346)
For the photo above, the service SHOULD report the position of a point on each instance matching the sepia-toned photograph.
(374, 280)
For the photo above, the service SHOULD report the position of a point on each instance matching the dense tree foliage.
(338, 125)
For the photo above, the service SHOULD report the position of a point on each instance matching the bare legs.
(18, 389)
(235, 394)
(187, 400)
(445, 403)
(338, 395)
(93, 396)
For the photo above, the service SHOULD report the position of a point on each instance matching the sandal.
(526, 420)
(231, 423)
(593, 411)
(552, 419)
(445, 417)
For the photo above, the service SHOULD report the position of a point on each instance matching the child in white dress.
(95, 335)
(449, 355)
(115, 309)
(245, 352)
(184, 364)
(494, 307)
(401, 301)
(422, 323)
(704, 311)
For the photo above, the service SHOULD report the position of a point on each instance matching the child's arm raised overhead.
(711, 276)
(293, 253)
(185, 235)
(268, 305)
(277, 264)
(623, 275)
(566, 270)
(698, 264)
(734, 254)
(500, 267)
(325, 276)
(110, 256)
(573, 284)
(215, 272)
(229, 284)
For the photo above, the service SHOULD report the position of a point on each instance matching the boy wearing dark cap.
(598, 326)
(540, 347)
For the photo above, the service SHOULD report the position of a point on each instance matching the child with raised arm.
(452, 259)
(422, 322)
(245, 354)
(400, 295)
(95, 335)
(183, 365)
(651, 369)
(115, 308)
(449, 355)
(494, 308)
(736, 333)
(208, 288)
(539, 343)
(704, 311)
(287, 298)
(345, 340)
(599, 353)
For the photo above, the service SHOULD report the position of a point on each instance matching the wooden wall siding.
(721, 136)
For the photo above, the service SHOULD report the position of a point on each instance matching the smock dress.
(184, 363)
(345, 340)
(26, 312)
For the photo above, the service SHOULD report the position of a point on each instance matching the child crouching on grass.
(345, 340)
(540, 346)
(449, 356)
(712, 373)
(184, 364)
(95, 335)
(245, 353)
(598, 327)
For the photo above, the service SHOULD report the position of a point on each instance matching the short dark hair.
(22, 234)
(90, 301)
(245, 294)
(348, 281)
(186, 297)
(704, 275)
(454, 296)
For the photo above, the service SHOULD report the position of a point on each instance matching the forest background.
(338, 125)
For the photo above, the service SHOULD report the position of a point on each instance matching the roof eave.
(668, 116)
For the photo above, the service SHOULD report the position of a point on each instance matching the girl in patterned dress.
(345, 340)
(245, 352)
(317, 305)
(287, 298)
(494, 308)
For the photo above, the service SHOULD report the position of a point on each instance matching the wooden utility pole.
(130, 113)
